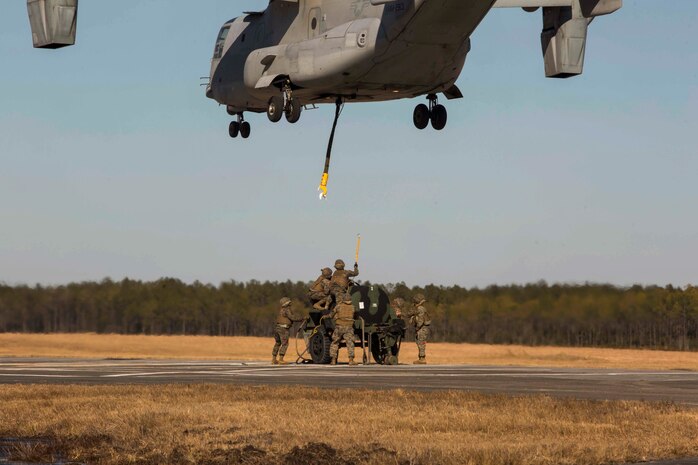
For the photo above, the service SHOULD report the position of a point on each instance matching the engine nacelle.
(53, 22)
(564, 35)
(594, 8)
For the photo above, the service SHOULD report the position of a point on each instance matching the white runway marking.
(32, 375)
(157, 373)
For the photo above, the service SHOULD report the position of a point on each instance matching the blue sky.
(115, 164)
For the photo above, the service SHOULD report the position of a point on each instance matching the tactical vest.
(318, 285)
(427, 318)
(421, 318)
(283, 318)
(344, 315)
(340, 278)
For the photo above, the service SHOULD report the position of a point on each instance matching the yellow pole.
(358, 247)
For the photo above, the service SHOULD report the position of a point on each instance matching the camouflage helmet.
(285, 302)
(398, 302)
(419, 299)
(346, 297)
(339, 264)
(327, 272)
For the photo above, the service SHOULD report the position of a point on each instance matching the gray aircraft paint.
(376, 50)
(359, 50)
(53, 22)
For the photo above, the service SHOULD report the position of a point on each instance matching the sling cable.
(339, 106)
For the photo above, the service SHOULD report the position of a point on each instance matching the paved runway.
(676, 386)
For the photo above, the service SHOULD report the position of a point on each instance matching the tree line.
(589, 315)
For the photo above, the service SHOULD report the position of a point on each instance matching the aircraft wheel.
(245, 129)
(439, 117)
(293, 112)
(275, 109)
(234, 129)
(421, 116)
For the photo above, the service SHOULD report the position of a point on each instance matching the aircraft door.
(314, 23)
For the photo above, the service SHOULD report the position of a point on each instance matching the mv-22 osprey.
(298, 53)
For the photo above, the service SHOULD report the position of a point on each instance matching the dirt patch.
(100, 449)
(248, 455)
(55, 450)
(30, 450)
(315, 453)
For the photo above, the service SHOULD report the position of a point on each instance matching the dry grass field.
(212, 424)
(249, 348)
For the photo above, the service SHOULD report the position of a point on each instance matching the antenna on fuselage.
(339, 106)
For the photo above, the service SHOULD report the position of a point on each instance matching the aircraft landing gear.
(421, 116)
(240, 127)
(293, 111)
(245, 129)
(275, 109)
(285, 105)
(434, 113)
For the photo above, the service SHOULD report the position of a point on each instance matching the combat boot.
(334, 361)
(421, 361)
(282, 361)
(351, 361)
(274, 361)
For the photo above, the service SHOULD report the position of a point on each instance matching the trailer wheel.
(384, 355)
(319, 348)
(377, 355)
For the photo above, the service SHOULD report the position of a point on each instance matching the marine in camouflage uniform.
(341, 279)
(419, 317)
(319, 292)
(282, 331)
(343, 315)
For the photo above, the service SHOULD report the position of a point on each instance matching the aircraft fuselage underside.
(316, 51)
(302, 52)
